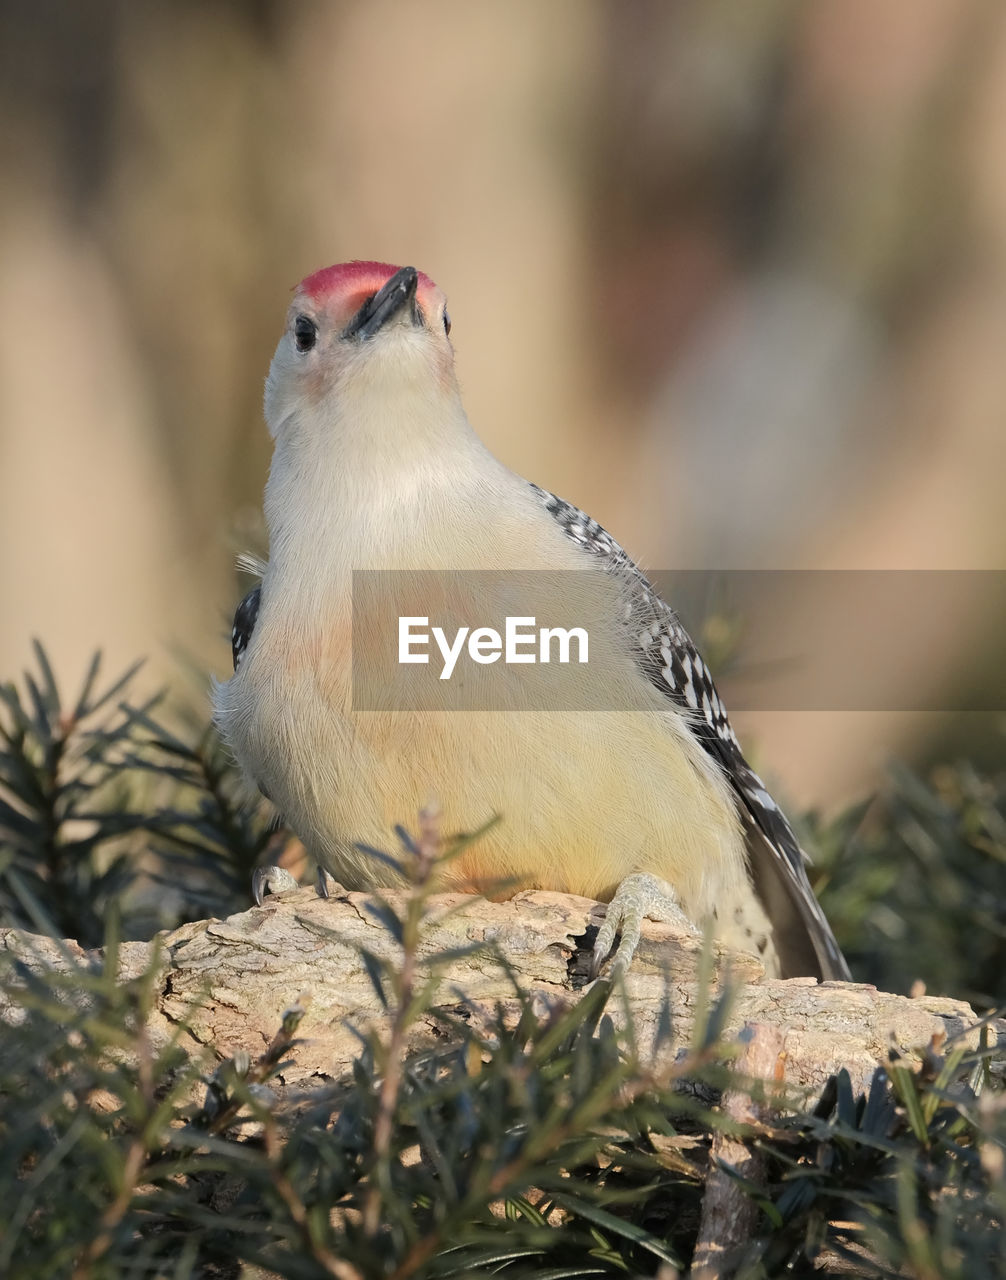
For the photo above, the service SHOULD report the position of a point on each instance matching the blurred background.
(730, 276)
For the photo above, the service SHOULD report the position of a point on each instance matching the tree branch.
(230, 981)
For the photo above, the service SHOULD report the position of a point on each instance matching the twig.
(728, 1213)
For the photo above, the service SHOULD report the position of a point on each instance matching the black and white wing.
(244, 624)
(665, 652)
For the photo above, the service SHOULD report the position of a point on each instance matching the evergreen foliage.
(536, 1146)
(912, 883)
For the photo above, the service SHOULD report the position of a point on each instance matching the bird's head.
(359, 334)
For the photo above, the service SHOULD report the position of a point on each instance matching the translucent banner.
(593, 640)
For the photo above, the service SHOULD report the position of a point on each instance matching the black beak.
(400, 291)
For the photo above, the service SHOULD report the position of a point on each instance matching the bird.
(627, 785)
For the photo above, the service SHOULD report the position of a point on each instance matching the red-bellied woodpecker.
(376, 466)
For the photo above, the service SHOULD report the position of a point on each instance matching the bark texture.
(230, 981)
(728, 1214)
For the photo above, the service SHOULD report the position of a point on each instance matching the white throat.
(369, 482)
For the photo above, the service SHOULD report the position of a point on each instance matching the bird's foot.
(639, 895)
(271, 880)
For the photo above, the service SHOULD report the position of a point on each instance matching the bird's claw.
(271, 879)
(639, 895)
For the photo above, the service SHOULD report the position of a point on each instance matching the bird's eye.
(447, 324)
(305, 333)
